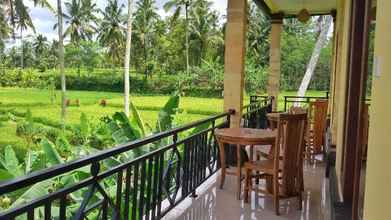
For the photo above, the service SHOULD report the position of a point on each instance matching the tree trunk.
(320, 43)
(61, 63)
(22, 49)
(127, 58)
(187, 38)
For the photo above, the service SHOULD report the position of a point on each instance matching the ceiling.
(292, 7)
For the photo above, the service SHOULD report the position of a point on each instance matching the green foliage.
(159, 50)
(137, 120)
(29, 130)
(167, 113)
(10, 163)
(122, 129)
(114, 37)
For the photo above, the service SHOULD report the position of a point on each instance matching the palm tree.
(17, 13)
(53, 54)
(180, 5)
(145, 20)
(258, 36)
(79, 18)
(127, 57)
(40, 44)
(204, 29)
(5, 30)
(16, 9)
(23, 22)
(111, 34)
(324, 26)
(61, 63)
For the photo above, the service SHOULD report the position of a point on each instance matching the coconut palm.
(258, 36)
(5, 30)
(61, 62)
(40, 44)
(323, 26)
(204, 29)
(179, 6)
(23, 22)
(80, 16)
(17, 13)
(127, 57)
(111, 34)
(145, 20)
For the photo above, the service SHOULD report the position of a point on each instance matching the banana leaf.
(166, 114)
(137, 120)
(36, 191)
(6, 175)
(51, 154)
(10, 162)
(123, 123)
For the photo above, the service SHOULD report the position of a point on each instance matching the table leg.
(251, 152)
(269, 179)
(222, 164)
(239, 171)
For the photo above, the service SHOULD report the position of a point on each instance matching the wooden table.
(274, 116)
(241, 137)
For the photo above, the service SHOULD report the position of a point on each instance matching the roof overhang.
(290, 8)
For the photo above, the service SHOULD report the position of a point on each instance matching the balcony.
(175, 181)
(215, 203)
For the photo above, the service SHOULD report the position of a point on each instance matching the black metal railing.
(254, 114)
(146, 187)
(301, 100)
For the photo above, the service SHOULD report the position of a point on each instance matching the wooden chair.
(317, 116)
(286, 171)
(297, 110)
(292, 110)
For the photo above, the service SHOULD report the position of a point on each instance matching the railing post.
(285, 103)
(175, 138)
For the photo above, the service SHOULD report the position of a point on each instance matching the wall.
(378, 178)
(339, 96)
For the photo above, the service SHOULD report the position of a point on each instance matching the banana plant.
(11, 167)
(126, 129)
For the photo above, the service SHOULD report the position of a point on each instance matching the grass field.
(39, 102)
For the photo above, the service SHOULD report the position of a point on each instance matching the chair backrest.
(297, 110)
(317, 123)
(290, 141)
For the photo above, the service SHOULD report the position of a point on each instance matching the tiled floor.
(216, 204)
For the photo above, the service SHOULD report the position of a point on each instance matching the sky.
(44, 20)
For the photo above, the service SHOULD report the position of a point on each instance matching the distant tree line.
(188, 42)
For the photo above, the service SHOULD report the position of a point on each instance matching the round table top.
(274, 115)
(246, 135)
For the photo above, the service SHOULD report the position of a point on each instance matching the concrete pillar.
(378, 175)
(235, 51)
(333, 67)
(273, 86)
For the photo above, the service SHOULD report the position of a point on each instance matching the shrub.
(103, 103)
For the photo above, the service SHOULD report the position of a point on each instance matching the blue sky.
(44, 20)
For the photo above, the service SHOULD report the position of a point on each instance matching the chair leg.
(276, 195)
(300, 200)
(258, 158)
(247, 185)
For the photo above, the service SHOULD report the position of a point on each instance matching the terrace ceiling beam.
(264, 7)
(267, 11)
